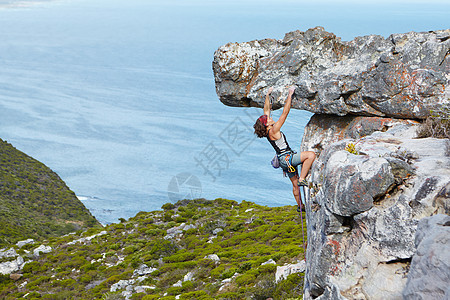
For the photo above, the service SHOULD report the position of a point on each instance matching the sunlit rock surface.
(402, 76)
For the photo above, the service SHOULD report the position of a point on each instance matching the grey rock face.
(402, 76)
(429, 274)
(323, 130)
(353, 182)
(364, 210)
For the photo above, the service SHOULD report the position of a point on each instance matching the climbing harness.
(287, 157)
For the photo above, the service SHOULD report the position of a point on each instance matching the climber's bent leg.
(307, 158)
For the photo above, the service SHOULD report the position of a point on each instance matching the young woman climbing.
(265, 126)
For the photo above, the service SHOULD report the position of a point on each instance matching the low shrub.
(168, 206)
(32, 267)
(151, 297)
(229, 296)
(269, 268)
(244, 267)
(34, 295)
(200, 295)
(137, 296)
(245, 279)
(174, 290)
(38, 281)
(291, 287)
(179, 257)
(437, 125)
(264, 289)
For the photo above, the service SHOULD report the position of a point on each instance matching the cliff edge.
(374, 181)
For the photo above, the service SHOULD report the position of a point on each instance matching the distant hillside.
(34, 201)
(195, 249)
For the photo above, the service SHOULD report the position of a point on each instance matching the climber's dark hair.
(260, 128)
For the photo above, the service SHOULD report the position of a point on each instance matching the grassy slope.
(34, 201)
(251, 235)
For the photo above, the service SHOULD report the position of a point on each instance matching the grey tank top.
(281, 145)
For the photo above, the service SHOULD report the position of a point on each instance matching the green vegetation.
(34, 201)
(351, 147)
(174, 242)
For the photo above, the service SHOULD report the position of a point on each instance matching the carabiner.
(291, 169)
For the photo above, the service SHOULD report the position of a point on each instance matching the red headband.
(263, 119)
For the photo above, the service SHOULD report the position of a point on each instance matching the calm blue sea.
(118, 97)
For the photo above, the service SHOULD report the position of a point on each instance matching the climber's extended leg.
(296, 192)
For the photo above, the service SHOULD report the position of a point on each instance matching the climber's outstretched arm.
(267, 105)
(286, 110)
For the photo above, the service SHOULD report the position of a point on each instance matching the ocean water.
(118, 97)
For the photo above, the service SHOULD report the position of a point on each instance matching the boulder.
(269, 262)
(20, 244)
(217, 230)
(87, 239)
(189, 226)
(15, 276)
(142, 270)
(402, 76)
(9, 267)
(429, 274)
(121, 284)
(284, 271)
(143, 288)
(213, 257)
(5, 253)
(179, 283)
(175, 231)
(42, 249)
(352, 182)
(188, 277)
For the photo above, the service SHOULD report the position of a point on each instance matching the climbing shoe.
(302, 183)
(301, 208)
